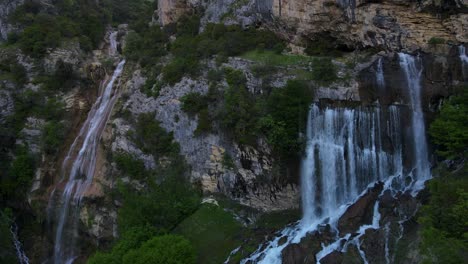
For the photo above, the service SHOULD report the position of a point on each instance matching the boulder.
(360, 213)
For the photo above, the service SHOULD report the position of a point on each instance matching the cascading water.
(348, 151)
(78, 169)
(464, 61)
(22, 258)
(421, 170)
(379, 75)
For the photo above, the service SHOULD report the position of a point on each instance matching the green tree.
(449, 131)
(167, 249)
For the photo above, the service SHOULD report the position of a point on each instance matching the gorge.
(233, 131)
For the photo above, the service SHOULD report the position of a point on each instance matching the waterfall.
(464, 61)
(78, 169)
(349, 150)
(22, 258)
(113, 43)
(379, 75)
(340, 161)
(421, 170)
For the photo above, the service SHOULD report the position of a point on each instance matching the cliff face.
(388, 24)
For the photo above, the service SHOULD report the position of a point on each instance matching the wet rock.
(296, 253)
(373, 245)
(360, 213)
(333, 258)
(352, 256)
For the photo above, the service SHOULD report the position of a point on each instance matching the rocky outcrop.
(360, 213)
(7, 7)
(391, 25)
(170, 10)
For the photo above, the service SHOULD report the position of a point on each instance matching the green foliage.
(272, 58)
(7, 252)
(131, 166)
(449, 131)
(152, 138)
(146, 46)
(12, 70)
(175, 195)
(193, 103)
(167, 249)
(324, 71)
(444, 219)
(213, 231)
(53, 135)
(17, 180)
(286, 115)
(191, 47)
(131, 239)
(436, 41)
(238, 115)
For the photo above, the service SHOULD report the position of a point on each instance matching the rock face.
(170, 10)
(249, 181)
(6, 8)
(391, 25)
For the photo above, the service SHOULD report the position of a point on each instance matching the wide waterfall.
(78, 169)
(345, 153)
(349, 149)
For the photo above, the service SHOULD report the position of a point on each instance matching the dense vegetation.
(280, 115)
(46, 27)
(444, 217)
(145, 225)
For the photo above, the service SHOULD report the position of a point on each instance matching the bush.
(131, 166)
(436, 41)
(238, 115)
(193, 103)
(52, 137)
(152, 138)
(176, 200)
(286, 116)
(443, 219)
(449, 131)
(324, 71)
(167, 249)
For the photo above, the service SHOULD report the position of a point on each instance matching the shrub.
(131, 166)
(52, 137)
(238, 115)
(174, 193)
(167, 249)
(286, 115)
(443, 219)
(449, 129)
(193, 103)
(436, 41)
(152, 138)
(324, 71)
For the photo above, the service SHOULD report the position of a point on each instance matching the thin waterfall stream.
(349, 151)
(79, 167)
(464, 61)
